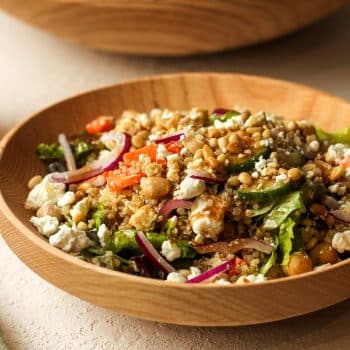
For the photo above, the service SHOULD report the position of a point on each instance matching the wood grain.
(202, 305)
(170, 27)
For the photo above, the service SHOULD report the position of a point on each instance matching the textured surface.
(172, 27)
(35, 72)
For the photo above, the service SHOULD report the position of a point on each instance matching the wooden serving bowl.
(170, 27)
(204, 304)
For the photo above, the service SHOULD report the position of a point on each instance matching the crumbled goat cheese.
(261, 164)
(338, 153)
(207, 217)
(341, 241)
(232, 123)
(162, 151)
(80, 210)
(251, 279)
(70, 239)
(281, 178)
(46, 225)
(170, 250)
(195, 271)
(190, 188)
(67, 199)
(338, 188)
(45, 191)
(195, 114)
(222, 281)
(176, 277)
(314, 145)
(103, 234)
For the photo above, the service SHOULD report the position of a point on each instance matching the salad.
(194, 196)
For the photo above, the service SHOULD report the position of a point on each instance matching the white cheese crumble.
(170, 250)
(195, 271)
(222, 281)
(190, 188)
(46, 225)
(69, 239)
(261, 164)
(341, 241)
(232, 123)
(251, 279)
(45, 191)
(67, 199)
(338, 153)
(80, 210)
(162, 151)
(103, 234)
(176, 277)
(281, 178)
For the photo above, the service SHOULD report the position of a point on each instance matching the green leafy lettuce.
(224, 117)
(49, 153)
(99, 215)
(341, 136)
(288, 205)
(285, 238)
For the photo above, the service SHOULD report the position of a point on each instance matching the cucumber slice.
(271, 191)
(247, 163)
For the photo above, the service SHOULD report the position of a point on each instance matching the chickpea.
(82, 226)
(299, 263)
(155, 187)
(49, 209)
(139, 140)
(323, 253)
(35, 180)
(337, 173)
(294, 174)
(245, 178)
(193, 144)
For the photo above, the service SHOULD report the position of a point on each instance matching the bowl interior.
(18, 162)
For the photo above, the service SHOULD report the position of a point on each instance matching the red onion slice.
(212, 272)
(156, 259)
(171, 138)
(205, 176)
(234, 246)
(220, 111)
(109, 162)
(173, 204)
(67, 151)
(342, 214)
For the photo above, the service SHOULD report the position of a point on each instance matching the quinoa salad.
(197, 196)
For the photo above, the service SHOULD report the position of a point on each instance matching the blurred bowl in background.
(170, 27)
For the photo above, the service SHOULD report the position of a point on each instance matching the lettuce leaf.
(288, 205)
(285, 237)
(264, 269)
(341, 136)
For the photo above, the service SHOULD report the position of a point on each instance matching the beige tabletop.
(37, 69)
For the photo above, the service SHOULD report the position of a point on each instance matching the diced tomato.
(174, 147)
(233, 270)
(100, 124)
(150, 150)
(346, 164)
(118, 182)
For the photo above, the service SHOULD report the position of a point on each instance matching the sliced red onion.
(234, 246)
(205, 176)
(171, 138)
(212, 272)
(109, 162)
(342, 214)
(67, 151)
(330, 202)
(156, 259)
(173, 204)
(220, 111)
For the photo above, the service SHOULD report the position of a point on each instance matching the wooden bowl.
(170, 27)
(202, 305)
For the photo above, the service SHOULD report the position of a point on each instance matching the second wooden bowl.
(170, 27)
(202, 305)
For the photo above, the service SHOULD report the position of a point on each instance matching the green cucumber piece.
(266, 194)
(247, 163)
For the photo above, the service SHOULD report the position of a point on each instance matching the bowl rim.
(43, 244)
